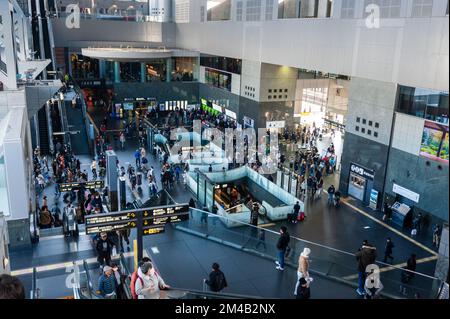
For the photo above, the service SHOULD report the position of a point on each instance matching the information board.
(154, 230)
(109, 228)
(164, 220)
(165, 211)
(67, 187)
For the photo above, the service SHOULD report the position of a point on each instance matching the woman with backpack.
(148, 282)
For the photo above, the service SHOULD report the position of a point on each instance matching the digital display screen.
(67, 187)
(107, 228)
(435, 142)
(166, 219)
(109, 218)
(128, 106)
(153, 230)
(166, 211)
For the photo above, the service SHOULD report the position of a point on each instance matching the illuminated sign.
(154, 231)
(109, 218)
(164, 220)
(107, 228)
(67, 187)
(166, 211)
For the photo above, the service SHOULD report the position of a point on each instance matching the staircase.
(43, 132)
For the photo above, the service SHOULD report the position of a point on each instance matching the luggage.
(301, 216)
(414, 232)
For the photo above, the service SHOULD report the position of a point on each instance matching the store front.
(360, 182)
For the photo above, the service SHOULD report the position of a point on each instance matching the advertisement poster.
(435, 142)
(373, 199)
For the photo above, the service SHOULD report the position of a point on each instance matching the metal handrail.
(88, 279)
(316, 244)
(33, 293)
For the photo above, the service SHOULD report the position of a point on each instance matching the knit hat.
(306, 252)
(145, 267)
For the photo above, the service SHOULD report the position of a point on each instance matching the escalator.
(43, 132)
(56, 124)
(76, 123)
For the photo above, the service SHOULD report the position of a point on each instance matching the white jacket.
(154, 282)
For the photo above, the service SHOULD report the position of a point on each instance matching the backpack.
(133, 284)
(220, 282)
(301, 216)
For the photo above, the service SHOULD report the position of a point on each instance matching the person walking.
(388, 250)
(303, 290)
(107, 284)
(122, 140)
(217, 281)
(365, 256)
(282, 245)
(331, 191)
(104, 250)
(408, 273)
(303, 267)
(137, 156)
(149, 283)
(436, 236)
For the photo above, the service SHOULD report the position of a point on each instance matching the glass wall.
(428, 104)
(155, 71)
(109, 71)
(218, 79)
(185, 69)
(4, 204)
(130, 72)
(222, 63)
(294, 9)
(84, 67)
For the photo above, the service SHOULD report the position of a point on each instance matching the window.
(270, 90)
(422, 8)
(239, 11)
(270, 97)
(269, 9)
(285, 90)
(424, 103)
(363, 130)
(253, 10)
(377, 125)
(357, 128)
(348, 9)
(375, 134)
(364, 121)
(358, 119)
(370, 123)
(280, 96)
(275, 91)
(369, 132)
(219, 10)
(285, 96)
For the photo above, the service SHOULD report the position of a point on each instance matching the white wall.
(408, 132)
(278, 77)
(388, 54)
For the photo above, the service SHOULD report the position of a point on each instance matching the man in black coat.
(104, 249)
(282, 245)
(217, 280)
(365, 256)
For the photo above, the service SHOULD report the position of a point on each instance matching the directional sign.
(107, 228)
(66, 187)
(109, 218)
(154, 230)
(167, 219)
(166, 211)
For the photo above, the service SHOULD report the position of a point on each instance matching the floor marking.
(155, 250)
(389, 227)
(420, 261)
(267, 225)
(61, 265)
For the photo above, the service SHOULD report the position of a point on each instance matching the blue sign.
(373, 199)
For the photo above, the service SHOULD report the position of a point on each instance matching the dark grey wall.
(431, 183)
(367, 153)
(162, 91)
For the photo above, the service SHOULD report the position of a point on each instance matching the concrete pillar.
(169, 67)
(116, 72)
(111, 180)
(441, 271)
(143, 72)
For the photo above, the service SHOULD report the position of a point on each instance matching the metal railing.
(328, 262)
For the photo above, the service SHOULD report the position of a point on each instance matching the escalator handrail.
(126, 271)
(88, 278)
(34, 284)
(214, 294)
